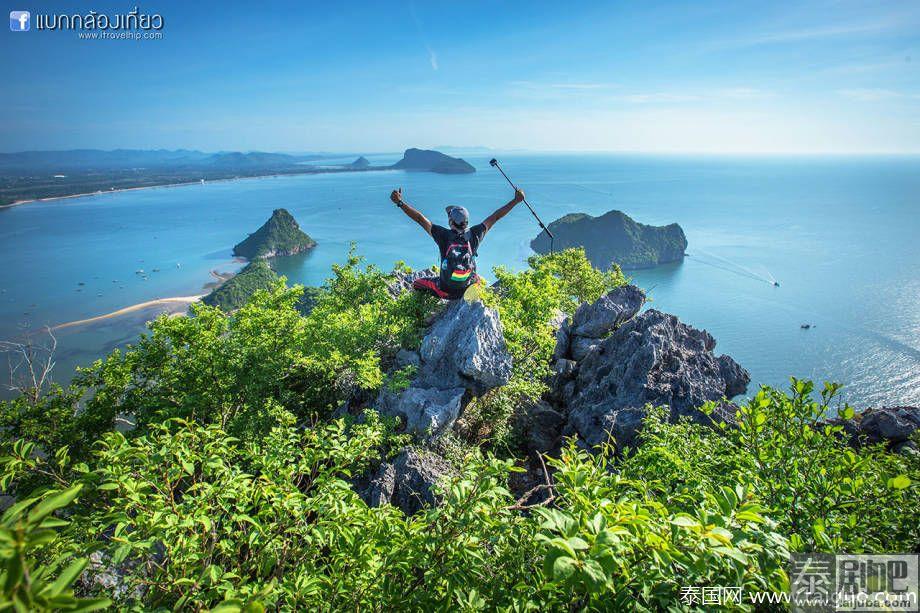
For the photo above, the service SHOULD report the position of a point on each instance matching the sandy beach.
(112, 191)
(175, 301)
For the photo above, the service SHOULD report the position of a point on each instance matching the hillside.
(615, 238)
(280, 235)
(432, 161)
(368, 448)
(233, 293)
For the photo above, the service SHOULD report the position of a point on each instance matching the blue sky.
(831, 76)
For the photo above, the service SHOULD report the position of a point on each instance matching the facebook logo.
(19, 21)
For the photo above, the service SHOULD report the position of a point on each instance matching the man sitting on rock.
(458, 246)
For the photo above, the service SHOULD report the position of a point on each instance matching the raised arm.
(410, 212)
(491, 219)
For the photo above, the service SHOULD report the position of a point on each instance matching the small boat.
(776, 283)
(156, 270)
(805, 326)
(139, 271)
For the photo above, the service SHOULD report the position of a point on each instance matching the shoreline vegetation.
(180, 184)
(26, 178)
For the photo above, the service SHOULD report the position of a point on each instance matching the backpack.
(458, 268)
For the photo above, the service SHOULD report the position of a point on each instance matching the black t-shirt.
(455, 282)
(445, 236)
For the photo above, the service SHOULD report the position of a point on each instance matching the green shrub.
(233, 490)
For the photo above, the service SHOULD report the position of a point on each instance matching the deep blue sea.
(840, 234)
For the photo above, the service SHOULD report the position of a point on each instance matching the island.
(433, 161)
(233, 293)
(280, 235)
(615, 238)
(360, 163)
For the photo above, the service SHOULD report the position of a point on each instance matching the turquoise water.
(839, 234)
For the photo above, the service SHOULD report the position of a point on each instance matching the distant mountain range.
(83, 160)
(96, 159)
(32, 175)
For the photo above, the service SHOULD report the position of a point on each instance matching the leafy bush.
(233, 488)
(236, 291)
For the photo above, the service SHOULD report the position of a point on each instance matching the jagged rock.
(466, 348)
(102, 576)
(594, 321)
(563, 372)
(652, 359)
(563, 338)
(405, 358)
(540, 426)
(597, 319)
(408, 482)
(425, 411)
(893, 426)
(402, 281)
(464, 354)
(581, 346)
(736, 378)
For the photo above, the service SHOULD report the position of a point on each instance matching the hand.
(518, 195)
(396, 196)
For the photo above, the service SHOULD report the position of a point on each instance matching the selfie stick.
(552, 238)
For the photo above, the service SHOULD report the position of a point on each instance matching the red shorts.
(431, 286)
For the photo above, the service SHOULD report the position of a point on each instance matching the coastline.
(103, 192)
(176, 300)
(273, 174)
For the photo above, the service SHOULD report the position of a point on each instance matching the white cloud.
(432, 58)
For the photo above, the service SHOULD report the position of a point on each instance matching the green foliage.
(828, 496)
(824, 495)
(527, 301)
(236, 291)
(610, 544)
(233, 489)
(280, 235)
(553, 284)
(29, 533)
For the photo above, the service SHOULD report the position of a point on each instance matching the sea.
(840, 235)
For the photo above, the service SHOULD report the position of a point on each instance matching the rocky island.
(280, 235)
(433, 161)
(360, 163)
(615, 238)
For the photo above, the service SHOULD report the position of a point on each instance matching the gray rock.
(402, 281)
(581, 346)
(405, 358)
(379, 490)
(561, 350)
(890, 425)
(409, 482)
(427, 412)
(103, 577)
(565, 369)
(736, 378)
(465, 347)
(652, 359)
(568, 393)
(597, 319)
(540, 427)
